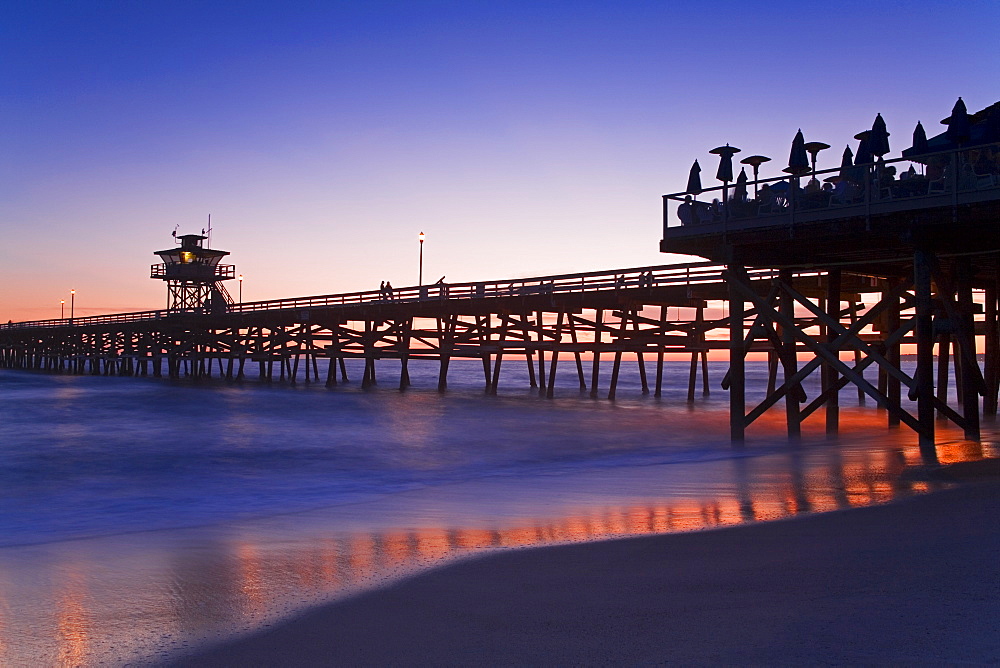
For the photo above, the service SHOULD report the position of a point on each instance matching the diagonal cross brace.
(822, 351)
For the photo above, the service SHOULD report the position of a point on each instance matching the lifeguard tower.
(194, 276)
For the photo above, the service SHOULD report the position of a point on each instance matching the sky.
(523, 138)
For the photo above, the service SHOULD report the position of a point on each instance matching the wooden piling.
(737, 357)
(404, 353)
(595, 363)
(541, 353)
(447, 330)
(659, 352)
(555, 356)
(925, 354)
(576, 354)
(786, 306)
(831, 377)
(968, 362)
(893, 351)
(991, 351)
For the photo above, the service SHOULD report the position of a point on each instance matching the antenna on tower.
(209, 230)
(174, 233)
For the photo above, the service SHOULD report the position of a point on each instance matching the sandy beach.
(914, 582)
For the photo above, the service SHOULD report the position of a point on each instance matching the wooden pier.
(843, 287)
(624, 317)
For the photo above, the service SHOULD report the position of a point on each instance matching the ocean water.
(140, 516)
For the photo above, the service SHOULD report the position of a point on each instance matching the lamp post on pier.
(72, 305)
(420, 275)
(62, 309)
(241, 288)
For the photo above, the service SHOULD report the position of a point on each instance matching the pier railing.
(621, 279)
(933, 179)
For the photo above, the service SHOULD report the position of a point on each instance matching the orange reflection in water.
(432, 544)
(251, 577)
(361, 555)
(334, 564)
(519, 536)
(473, 538)
(837, 479)
(397, 549)
(73, 622)
(953, 452)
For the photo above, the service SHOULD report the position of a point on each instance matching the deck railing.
(935, 178)
(193, 270)
(637, 277)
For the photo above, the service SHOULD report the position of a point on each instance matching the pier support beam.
(788, 357)
(893, 354)
(596, 362)
(831, 377)
(969, 365)
(992, 351)
(737, 356)
(924, 388)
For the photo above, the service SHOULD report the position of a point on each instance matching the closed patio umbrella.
(694, 179)
(958, 123)
(798, 161)
(846, 164)
(864, 153)
(919, 140)
(740, 192)
(879, 138)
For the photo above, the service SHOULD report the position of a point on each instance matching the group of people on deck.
(974, 168)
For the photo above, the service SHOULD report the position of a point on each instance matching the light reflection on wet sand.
(141, 596)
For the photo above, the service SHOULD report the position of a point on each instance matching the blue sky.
(523, 138)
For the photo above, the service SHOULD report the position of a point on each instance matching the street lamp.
(241, 288)
(420, 276)
(72, 305)
(62, 309)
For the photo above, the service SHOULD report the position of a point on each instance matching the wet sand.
(912, 582)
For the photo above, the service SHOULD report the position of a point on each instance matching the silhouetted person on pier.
(686, 211)
(381, 290)
(767, 198)
(703, 212)
(388, 290)
(716, 210)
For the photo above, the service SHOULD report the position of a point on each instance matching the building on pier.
(925, 227)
